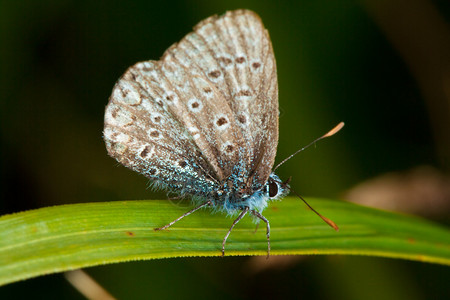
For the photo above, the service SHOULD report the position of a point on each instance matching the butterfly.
(202, 121)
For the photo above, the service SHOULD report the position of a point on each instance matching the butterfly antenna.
(328, 134)
(325, 219)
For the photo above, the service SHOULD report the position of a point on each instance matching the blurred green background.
(383, 67)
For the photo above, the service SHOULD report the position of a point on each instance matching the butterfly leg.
(243, 213)
(260, 216)
(182, 216)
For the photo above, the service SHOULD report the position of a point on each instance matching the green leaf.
(67, 237)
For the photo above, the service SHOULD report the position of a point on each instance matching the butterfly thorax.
(234, 195)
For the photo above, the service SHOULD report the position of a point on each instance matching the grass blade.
(66, 237)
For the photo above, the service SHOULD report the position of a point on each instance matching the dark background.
(383, 67)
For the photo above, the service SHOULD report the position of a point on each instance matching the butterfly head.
(273, 189)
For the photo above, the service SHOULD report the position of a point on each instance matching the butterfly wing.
(232, 56)
(142, 134)
(207, 109)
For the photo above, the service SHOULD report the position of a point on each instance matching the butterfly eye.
(273, 188)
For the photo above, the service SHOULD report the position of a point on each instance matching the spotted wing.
(207, 109)
(228, 66)
(142, 134)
